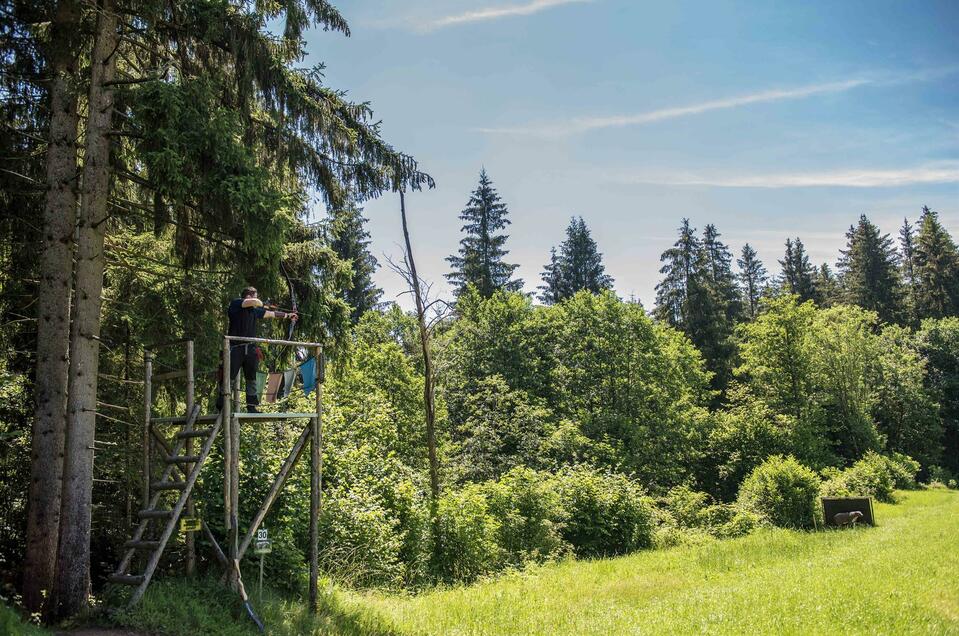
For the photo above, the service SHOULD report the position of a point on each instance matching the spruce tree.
(578, 266)
(698, 296)
(828, 289)
(907, 262)
(717, 259)
(480, 259)
(936, 269)
(752, 280)
(869, 272)
(681, 265)
(798, 275)
(351, 242)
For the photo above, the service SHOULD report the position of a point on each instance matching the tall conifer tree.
(351, 242)
(936, 269)
(907, 268)
(752, 280)
(480, 259)
(798, 274)
(828, 290)
(717, 259)
(869, 273)
(577, 266)
(698, 295)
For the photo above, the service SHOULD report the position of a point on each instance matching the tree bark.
(428, 392)
(53, 312)
(73, 561)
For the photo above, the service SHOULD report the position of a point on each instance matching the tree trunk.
(73, 562)
(53, 313)
(428, 393)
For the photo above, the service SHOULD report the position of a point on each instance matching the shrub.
(359, 538)
(608, 514)
(903, 470)
(940, 475)
(783, 492)
(686, 506)
(466, 536)
(530, 515)
(871, 476)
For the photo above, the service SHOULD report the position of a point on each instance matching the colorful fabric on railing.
(273, 387)
(260, 382)
(289, 377)
(308, 373)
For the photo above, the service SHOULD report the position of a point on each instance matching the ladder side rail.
(155, 498)
(174, 517)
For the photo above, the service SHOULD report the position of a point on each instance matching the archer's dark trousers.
(243, 356)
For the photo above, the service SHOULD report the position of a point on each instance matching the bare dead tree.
(420, 291)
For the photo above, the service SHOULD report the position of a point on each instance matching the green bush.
(783, 492)
(608, 514)
(689, 509)
(530, 516)
(359, 539)
(903, 470)
(466, 536)
(686, 506)
(871, 476)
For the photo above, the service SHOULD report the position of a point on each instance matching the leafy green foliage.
(608, 513)
(784, 492)
(531, 515)
(465, 536)
(871, 476)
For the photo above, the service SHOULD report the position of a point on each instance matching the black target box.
(831, 506)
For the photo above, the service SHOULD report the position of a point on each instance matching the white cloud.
(494, 13)
(585, 124)
(941, 172)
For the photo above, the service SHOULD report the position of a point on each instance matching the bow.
(289, 284)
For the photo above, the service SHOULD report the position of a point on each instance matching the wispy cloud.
(932, 173)
(495, 13)
(585, 124)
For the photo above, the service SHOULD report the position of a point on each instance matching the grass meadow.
(901, 577)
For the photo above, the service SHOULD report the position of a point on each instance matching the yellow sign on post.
(190, 524)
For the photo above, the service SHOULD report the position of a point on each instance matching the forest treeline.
(159, 157)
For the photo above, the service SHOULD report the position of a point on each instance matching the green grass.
(11, 623)
(901, 577)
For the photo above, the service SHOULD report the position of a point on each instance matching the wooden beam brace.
(275, 489)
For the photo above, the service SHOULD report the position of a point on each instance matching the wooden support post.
(190, 509)
(316, 485)
(226, 412)
(147, 404)
(235, 483)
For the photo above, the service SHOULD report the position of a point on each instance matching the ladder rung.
(155, 514)
(126, 579)
(202, 432)
(182, 459)
(141, 545)
(168, 485)
(169, 375)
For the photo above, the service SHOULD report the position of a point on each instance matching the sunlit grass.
(899, 578)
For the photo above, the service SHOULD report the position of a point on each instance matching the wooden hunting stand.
(180, 458)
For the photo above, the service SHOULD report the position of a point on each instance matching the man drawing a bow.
(244, 312)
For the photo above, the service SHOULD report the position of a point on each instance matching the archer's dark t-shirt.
(243, 321)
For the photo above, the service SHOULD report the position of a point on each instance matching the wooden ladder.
(169, 516)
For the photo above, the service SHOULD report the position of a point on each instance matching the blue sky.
(767, 119)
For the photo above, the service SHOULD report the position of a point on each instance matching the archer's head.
(249, 292)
